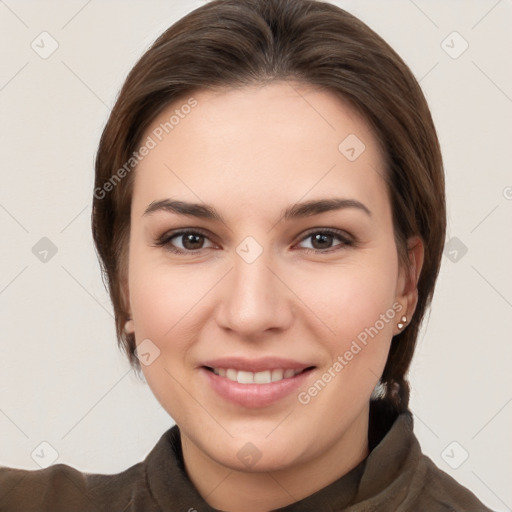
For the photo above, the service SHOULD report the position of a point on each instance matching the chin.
(259, 453)
(260, 461)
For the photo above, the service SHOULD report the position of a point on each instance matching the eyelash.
(165, 240)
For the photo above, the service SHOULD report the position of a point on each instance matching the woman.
(269, 212)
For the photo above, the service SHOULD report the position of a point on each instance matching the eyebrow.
(295, 211)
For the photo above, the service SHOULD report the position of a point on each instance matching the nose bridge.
(254, 299)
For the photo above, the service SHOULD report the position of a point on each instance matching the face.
(266, 312)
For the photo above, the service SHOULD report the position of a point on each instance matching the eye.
(322, 240)
(193, 241)
(186, 241)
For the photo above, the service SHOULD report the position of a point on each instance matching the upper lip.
(256, 365)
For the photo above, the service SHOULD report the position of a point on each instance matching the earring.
(402, 322)
(129, 327)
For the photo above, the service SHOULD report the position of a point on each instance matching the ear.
(129, 327)
(407, 291)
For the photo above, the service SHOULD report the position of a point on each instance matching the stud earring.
(129, 326)
(402, 322)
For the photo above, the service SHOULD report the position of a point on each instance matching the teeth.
(264, 377)
(277, 375)
(245, 377)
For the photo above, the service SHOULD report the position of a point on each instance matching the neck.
(228, 489)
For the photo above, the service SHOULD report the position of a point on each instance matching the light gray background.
(62, 378)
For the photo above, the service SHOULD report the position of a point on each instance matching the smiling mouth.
(263, 377)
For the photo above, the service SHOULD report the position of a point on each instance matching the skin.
(250, 153)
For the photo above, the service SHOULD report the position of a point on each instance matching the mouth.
(261, 377)
(255, 383)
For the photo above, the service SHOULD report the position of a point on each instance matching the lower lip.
(254, 395)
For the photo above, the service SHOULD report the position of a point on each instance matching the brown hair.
(232, 43)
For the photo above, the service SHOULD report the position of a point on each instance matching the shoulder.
(42, 489)
(438, 491)
(399, 477)
(63, 488)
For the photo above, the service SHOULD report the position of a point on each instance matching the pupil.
(192, 239)
(322, 238)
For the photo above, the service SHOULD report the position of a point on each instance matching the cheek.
(358, 311)
(154, 302)
(160, 301)
(170, 303)
(360, 308)
(350, 298)
(159, 295)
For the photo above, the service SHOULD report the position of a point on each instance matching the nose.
(254, 299)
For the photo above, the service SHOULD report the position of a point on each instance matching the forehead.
(275, 144)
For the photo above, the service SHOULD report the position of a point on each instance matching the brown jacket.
(395, 477)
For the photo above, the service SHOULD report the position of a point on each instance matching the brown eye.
(192, 241)
(322, 241)
(184, 242)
